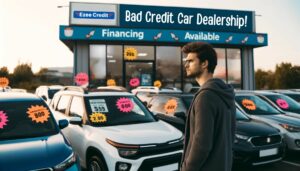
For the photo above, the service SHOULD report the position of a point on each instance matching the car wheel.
(96, 164)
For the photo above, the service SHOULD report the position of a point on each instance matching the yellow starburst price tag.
(111, 82)
(157, 83)
(4, 82)
(130, 53)
(171, 106)
(98, 117)
(38, 114)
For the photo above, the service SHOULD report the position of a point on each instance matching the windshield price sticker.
(3, 119)
(282, 104)
(38, 114)
(249, 104)
(157, 83)
(125, 104)
(4, 82)
(134, 82)
(171, 106)
(81, 79)
(111, 82)
(98, 117)
(98, 105)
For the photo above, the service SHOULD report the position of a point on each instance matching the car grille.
(149, 164)
(157, 149)
(266, 140)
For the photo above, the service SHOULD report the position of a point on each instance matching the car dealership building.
(122, 43)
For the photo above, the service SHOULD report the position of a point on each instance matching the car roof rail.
(75, 88)
(110, 88)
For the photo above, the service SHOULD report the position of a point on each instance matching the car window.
(116, 110)
(285, 103)
(167, 105)
(240, 116)
(254, 105)
(51, 92)
(77, 108)
(187, 100)
(63, 103)
(25, 119)
(294, 96)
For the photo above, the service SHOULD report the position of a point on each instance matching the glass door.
(138, 74)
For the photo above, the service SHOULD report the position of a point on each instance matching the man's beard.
(195, 74)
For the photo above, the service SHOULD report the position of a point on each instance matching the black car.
(256, 142)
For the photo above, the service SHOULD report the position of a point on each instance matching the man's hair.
(204, 52)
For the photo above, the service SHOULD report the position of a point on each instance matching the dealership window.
(220, 70)
(143, 52)
(168, 64)
(234, 67)
(97, 65)
(115, 63)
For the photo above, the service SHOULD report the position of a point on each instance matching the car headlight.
(125, 150)
(66, 163)
(241, 137)
(290, 128)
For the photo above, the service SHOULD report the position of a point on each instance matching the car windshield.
(51, 92)
(294, 96)
(240, 116)
(26, 119)
(285, 103)
(254, 105)
(116, 110)
(167, 105)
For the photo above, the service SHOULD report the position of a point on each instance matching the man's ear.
(204, 64)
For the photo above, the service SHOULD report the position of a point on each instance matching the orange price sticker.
(157, 83)
(4, 82)
(249, 104)
(38, 114)
(130, 53)
(171, 106)
(98, 117)
(111, 82)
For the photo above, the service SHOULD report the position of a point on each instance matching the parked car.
(256, 142)
(5, 89)
(47, 92)
(259, 109)
(113, 130)
(282, 102)
(292, 94)
(30, 139)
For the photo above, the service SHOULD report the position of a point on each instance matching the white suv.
(113, 130)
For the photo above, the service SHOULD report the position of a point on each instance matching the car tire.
(95, 163)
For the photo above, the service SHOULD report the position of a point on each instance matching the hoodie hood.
(224, 91)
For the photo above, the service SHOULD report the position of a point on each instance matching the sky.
(29, 29)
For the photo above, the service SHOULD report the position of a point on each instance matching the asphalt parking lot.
(291, 163)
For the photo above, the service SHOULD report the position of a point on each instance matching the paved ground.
(290, 163)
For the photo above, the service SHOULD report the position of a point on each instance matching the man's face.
(193, 66)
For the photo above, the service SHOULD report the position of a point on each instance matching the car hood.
(254, 128)
(283, 119)
(145, 133)
(33, 153)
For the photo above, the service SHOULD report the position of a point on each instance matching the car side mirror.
(76, 121)
(63, 123)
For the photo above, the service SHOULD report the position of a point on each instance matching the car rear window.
(255, 106)
(25, 119)
(116, 110)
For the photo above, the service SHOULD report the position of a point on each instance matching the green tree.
(23, 73)
(264, 79)
(4, 72)
(282, 75)
(42, 74)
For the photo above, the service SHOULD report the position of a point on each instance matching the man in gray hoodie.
(210, 124)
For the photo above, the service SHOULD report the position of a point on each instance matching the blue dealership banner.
(137, 16)
(156, 35)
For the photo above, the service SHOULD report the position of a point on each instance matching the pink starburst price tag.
(282, 104)
(81, 79)
(134, 82)
(3, 119)
(125, 105)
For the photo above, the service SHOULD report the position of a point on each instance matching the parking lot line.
(291, 163)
